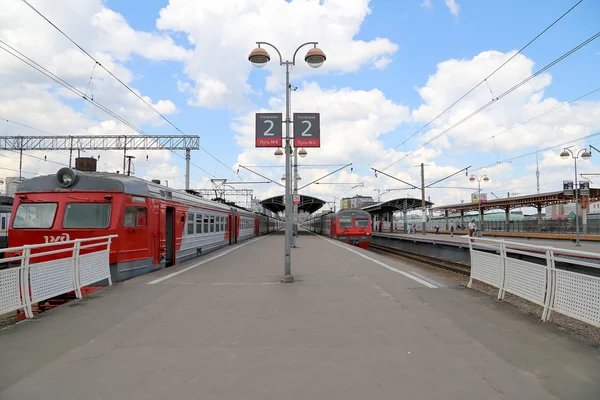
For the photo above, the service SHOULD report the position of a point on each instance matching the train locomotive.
(349, 226)
(157, 226)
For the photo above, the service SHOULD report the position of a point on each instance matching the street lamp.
(259, 57)
(484, 178)
(583, 153)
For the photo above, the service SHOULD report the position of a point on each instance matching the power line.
(525, 122)
(123, 83)
(484, 80)
(20, 56)
(494, 100)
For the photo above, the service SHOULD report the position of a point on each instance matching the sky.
(392, 67)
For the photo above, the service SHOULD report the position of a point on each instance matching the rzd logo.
(54, 239)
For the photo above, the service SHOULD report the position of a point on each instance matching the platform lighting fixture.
(485, 179)
(278, 153)
(585, 154)
(302, 153)
(259, 57)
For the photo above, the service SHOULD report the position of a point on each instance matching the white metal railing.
(574, 294)
(32, 282)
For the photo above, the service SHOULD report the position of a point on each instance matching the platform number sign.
(268, 130)
(584, 188)
(568, 188)
(307, 130)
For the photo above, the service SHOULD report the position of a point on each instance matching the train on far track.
(350, 226)
(157, 226)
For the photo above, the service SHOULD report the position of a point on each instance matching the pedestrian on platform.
(452, 230)
(472, 228)
(437, 229)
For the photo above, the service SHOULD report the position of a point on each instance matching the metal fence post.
(108, 251)
(25, 283)
(549, 285)
(503, 256)
(75, 266)
(472, 263)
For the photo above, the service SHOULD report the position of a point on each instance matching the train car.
(349, 226)
(6, 204)
(157, 226)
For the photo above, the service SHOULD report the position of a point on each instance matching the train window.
(3, 222)
(134, 216)
(212, 223)
(361, 222)
(217, 223)
(38, 215)
(345, 222)
(206, 230)
(199, 224)
(190, 223)
(86, 215)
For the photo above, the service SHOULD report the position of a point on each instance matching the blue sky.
(425, 33)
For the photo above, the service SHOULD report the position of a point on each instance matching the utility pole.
(424, 217)
(537, 171)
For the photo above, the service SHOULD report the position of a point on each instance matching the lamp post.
(315, 57)
(484, 178)
(583, 153)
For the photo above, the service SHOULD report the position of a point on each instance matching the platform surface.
(355, 325)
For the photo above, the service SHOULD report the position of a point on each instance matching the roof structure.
(400, 204)
(307, 204)
(533, 200)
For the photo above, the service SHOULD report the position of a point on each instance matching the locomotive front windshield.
(345, 222)
(361, 222)
(34, 215)
(86, 215)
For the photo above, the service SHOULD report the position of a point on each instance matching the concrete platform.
(355, 325)
(460, 240)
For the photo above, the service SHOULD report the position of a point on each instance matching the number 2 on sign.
(271, 127)
(307, 129)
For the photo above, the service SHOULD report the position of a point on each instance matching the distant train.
(349, 226)
(157, 226)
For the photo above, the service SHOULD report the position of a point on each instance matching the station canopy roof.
(400, 204)
(531, 200)
(307, 204)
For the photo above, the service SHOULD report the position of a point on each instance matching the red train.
(349, 226)
(157, 226)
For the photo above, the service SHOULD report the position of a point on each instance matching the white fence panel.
(577, 296)
(486, 267)
(526, 280)
(10, 290)
(574, 294)
(93, 267)
(33, 282)
(51, 278)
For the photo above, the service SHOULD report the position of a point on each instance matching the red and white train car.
(157, 226)
(349, 226)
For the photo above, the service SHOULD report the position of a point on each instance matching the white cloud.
(453, 7)
(224, 35)
(426, 4)
(382, 62)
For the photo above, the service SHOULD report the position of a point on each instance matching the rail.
(68, 270)
(567, 292)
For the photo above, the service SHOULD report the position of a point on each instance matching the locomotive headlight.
(66, 177)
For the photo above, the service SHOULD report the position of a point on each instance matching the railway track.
(453, 266)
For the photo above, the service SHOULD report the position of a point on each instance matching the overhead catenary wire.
(495, 100)
(122, 83)
(20, 56)
(481, 82)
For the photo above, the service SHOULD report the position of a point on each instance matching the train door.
(230, 228)
(237, 228)
(170, 237)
